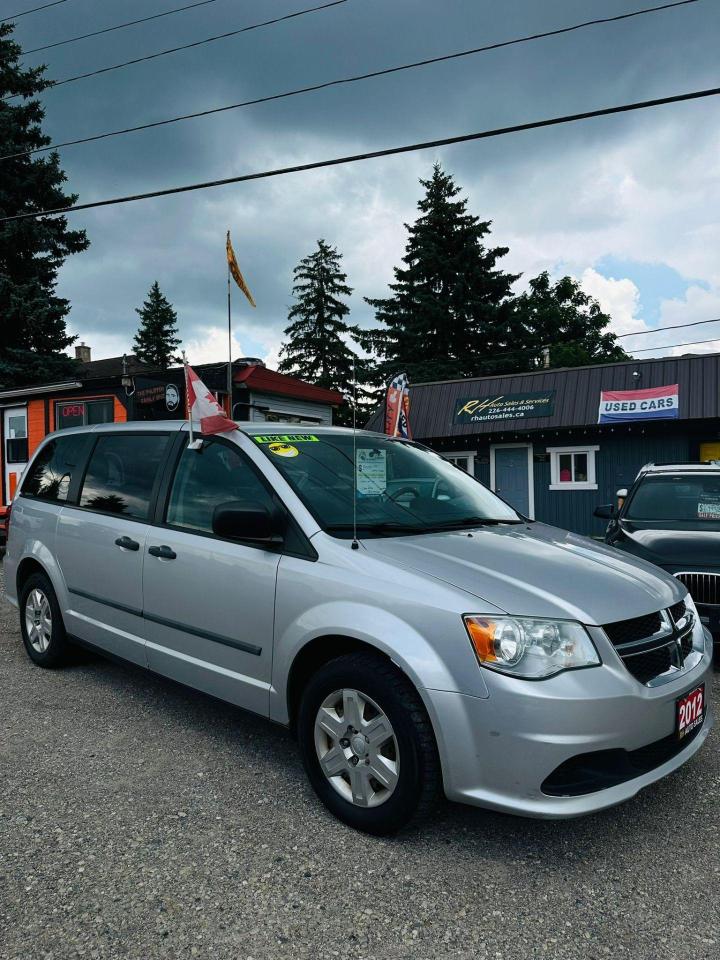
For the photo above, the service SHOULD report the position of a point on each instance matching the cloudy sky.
(627, 204)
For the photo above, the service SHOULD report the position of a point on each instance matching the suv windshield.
(677, 498)
(401, 488)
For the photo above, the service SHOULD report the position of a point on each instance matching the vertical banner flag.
(235, 271)
(654, 403)
(203, 406)
(397, 408)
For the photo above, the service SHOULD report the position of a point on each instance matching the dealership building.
(121, 389)
(556, 443)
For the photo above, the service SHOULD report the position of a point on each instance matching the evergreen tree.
(156, 340)
(450, 305)
(33, 333)
(317, 348)
(564, 318)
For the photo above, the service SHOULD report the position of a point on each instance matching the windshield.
(399, 486)
(677, 498)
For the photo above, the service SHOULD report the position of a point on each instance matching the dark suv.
(671, 517)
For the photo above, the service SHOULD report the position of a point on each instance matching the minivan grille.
(648, 645)
(630, 631)
(703, 587)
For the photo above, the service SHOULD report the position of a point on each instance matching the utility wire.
(334, 83)
(24, 13)
(673, 346)
(675, 326)
(119, 26)
(195, 43)
(372, 155)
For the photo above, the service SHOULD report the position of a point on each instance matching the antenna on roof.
(354, 545)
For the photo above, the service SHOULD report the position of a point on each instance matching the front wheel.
(367, 744)
(41, 623)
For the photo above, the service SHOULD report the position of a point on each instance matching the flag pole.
(229, 366)
(188, 411)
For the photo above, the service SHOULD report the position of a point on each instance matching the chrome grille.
(704, 587)
(650, 646)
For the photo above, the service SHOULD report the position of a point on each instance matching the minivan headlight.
(529, 648)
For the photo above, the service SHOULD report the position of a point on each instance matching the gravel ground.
(141, 820)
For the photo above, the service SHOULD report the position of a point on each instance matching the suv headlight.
(528, 648)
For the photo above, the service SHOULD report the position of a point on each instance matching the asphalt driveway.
(141, 820)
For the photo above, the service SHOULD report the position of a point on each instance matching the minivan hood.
(666, 545)
(536, 570)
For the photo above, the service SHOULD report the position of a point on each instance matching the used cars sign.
(655, 403)
(507, 406)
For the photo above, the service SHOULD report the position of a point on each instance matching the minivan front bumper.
(503, 752)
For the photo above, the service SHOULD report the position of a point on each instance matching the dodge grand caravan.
(415, 631)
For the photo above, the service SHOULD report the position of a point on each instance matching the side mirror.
(606, 512)
(236, 521)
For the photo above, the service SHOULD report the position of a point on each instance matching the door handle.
(127, 543)
(164, 552)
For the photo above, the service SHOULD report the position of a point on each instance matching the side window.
(208, 477)
(74, 413)
(122, 472)
(52, 470)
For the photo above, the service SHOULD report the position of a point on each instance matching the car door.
(101, 538)
(209, 602)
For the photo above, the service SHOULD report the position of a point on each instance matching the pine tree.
(317, 348)
(33, 332)
(450, 304)
(156, 340)
(564, 318)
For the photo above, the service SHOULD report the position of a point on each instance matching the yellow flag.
(235, 271)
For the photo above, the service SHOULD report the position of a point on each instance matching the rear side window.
(52, 470)
(208, 477)
(122, 472)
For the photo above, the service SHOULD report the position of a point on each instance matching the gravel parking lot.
(141, 820)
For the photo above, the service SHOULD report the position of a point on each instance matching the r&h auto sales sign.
(655, 403)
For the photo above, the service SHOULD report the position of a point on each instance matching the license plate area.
(689, 711)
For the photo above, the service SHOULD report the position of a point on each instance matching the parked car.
(412, 628)
(671, 517)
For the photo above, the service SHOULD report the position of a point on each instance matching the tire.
(393, 738)
(41, 623)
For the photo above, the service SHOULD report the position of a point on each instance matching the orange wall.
(35, 424)
(120, 413)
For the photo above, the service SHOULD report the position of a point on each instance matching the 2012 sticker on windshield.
(371, 472)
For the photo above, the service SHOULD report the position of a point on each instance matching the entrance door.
(15, 452)
(511, 469)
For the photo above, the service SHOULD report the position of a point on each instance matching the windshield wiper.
(380, 527)
(472, 522)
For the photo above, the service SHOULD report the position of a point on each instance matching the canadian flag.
(203, 406)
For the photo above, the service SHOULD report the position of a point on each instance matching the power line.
(24, 13)
(675, 326)
(333, 83)
(673, 346)
(188, 46)
(375, 154)
(118, 26)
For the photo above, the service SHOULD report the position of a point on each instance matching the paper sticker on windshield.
(708, 508)
(283, 450)
(287, 438)
(371, 472)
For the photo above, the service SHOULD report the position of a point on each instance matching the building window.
(466, 461)
(79, 413)
(572, 468)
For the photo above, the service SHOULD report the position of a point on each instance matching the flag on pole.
(397, 408)
(203, 406)
(235, 271)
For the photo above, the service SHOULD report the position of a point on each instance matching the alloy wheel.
(38, 620)
(357, 748)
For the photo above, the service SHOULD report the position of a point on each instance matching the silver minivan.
(417, 633)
